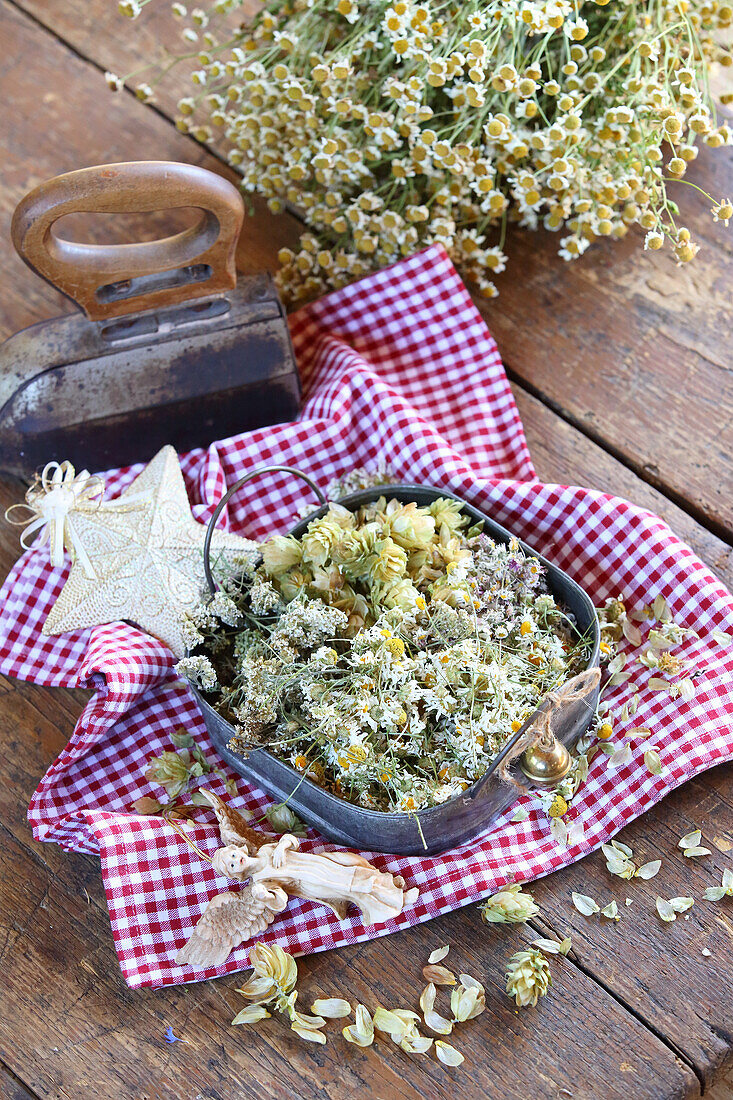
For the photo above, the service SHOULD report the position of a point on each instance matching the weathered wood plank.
(11, 1088)
(112, 1038)
(61, 120)
(629, 347)
(563, 454)
(657, 968)
(101, 1039)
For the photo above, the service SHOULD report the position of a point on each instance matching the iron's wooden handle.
(112, 280)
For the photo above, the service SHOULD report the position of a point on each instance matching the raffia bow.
(53, 498)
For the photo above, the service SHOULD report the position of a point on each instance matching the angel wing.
(228, 920)
(233, 827)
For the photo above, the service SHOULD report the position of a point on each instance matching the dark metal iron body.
(169, 348)
(109, 393)
(463, 817)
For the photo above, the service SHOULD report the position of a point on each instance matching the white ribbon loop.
(52, 500)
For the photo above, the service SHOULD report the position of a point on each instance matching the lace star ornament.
(147, 559)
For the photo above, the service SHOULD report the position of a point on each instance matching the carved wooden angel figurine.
(277, 871)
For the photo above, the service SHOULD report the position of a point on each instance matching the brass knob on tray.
(546, 763)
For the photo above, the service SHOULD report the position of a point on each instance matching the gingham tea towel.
(399, 370)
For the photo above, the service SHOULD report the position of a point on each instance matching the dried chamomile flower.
(438, 975)
(585, 905)
(690, 845)
(333, 1008)
(361, 1033)
(509, 906)
(528, 977)
(447, 1054)
(716, 893)
(439, 954)
(199, 671)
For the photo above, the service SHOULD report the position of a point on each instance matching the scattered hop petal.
(690, 840)
(258, 987)
(283, 820)
(467, 1001)
(437, 1023)
(391, 1022)
(690, 853)
(520, 814)
(415, 1043)
(528, 977)
(251, 1014)
(308, 1034)
(439, 954)
(649, 870)
(681, 905)
(585, 905)
(611, 911)
(666, 910)
(509, 906)
(721, 637)
(439, 975)
(360, 1033)
(333, 1008)
(660, 609)
(652, 761)
(447, 1054)
(552, 947)
(714, 893)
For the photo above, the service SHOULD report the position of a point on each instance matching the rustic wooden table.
(621, 368)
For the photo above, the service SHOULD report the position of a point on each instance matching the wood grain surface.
(619, 369)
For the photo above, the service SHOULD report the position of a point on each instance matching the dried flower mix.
(387, 654)
(391, 126)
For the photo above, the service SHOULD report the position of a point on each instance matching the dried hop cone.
(509, 906)
(527, 977)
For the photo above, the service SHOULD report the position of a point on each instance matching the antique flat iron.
(171, 348)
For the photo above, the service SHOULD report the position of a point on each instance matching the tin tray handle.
(235, 488)
(110, 280)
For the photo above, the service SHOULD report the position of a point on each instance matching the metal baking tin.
(463, 817)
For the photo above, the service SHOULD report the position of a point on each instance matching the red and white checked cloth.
(397, 368)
